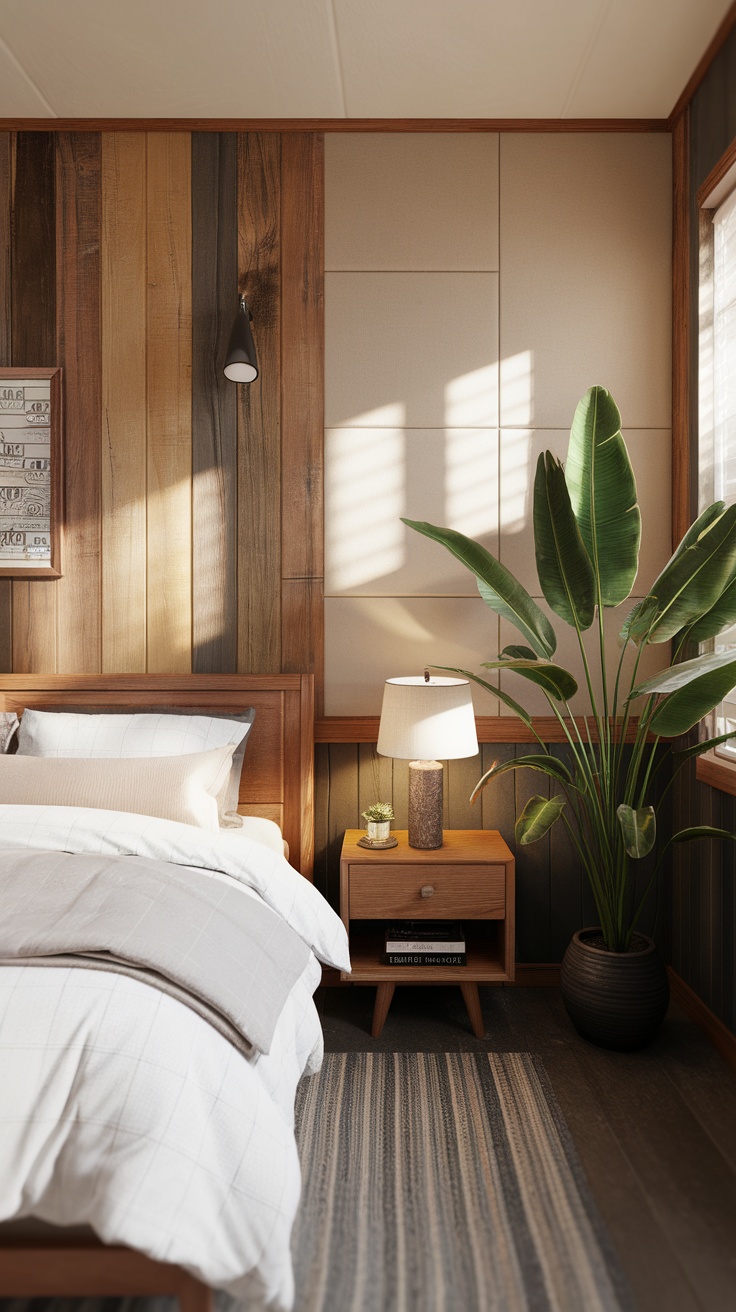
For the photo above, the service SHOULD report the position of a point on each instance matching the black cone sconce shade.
(241, 364)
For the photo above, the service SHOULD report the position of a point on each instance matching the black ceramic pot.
(615, 999)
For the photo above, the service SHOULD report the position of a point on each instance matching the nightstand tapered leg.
(472, 1002)
(384, 994)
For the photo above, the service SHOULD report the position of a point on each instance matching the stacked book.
(425, 943)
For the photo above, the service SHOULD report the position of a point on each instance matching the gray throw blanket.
(201, 939)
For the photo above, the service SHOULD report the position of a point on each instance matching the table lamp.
(423, 718)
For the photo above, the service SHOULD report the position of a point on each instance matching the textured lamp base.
(425, 804)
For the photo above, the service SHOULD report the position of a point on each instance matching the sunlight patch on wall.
(471, 482)
(365, 496)
(471, 401)
(517, 389)
(517, 481)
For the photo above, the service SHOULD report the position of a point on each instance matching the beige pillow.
(180, 788)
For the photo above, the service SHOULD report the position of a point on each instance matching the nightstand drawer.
(476, 892)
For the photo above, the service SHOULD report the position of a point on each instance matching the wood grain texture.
(214, 403)
(302, 363)
(123, 506)
(490, 729)
(33, 336)
(6, 216)
(78, 592)
(339, 124)
(259, 405)
(57, 1269)
(716, 175)
(169, 401)
(681, 332)
(710, 769)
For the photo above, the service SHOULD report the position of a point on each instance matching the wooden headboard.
(278, 775)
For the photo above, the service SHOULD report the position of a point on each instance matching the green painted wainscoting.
(552, 897)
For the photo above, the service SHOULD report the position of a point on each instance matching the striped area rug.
(444, 1183)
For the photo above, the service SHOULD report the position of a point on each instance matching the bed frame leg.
(195, 1297)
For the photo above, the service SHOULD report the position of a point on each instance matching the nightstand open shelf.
(470, 879)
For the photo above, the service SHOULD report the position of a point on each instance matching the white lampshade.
(427, 720)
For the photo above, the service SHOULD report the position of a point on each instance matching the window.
(718, 396)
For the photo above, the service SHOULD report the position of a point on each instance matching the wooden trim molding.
(59, 1268)
(680, 328)
(335, 124)
(717, 772)
(714, 1029)
(527, 974)
(720, 37)
(716, 175)
(490, 729)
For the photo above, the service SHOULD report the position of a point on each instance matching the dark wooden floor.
(655, 1130)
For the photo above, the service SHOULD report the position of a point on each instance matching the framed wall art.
(31, 479)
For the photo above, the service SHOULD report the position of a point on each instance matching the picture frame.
(31, 472)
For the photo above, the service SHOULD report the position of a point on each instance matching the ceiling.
(350, 58)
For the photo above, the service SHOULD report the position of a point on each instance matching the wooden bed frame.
(278, 783)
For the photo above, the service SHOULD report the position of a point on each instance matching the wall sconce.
(241, 364)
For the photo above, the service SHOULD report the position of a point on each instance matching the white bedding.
(123, 1109)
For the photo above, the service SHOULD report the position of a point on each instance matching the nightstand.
(470, 878)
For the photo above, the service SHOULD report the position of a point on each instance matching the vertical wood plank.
(79, 352)
(33, 335)
(461, 778)
(532, 876)
(321, 814)
(214, 404)
(375, 778)
(169, 401)
(566, 878)
(259, 406)
(302, 627)
(124, 402)
(680, 328)
(6, 214)
(302, 378)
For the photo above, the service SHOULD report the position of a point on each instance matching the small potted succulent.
(378, 817)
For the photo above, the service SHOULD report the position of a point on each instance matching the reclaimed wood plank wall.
(121, 257)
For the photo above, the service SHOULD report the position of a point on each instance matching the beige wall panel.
(123, 272)
(369, 639)
(568, 655)
(651, 457)
(411, 201)
(169, 401)
(416, 350)
(587, 285)
(446, 476)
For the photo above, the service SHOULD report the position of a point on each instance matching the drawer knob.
(427, 890)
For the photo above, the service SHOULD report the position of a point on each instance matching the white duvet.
(123, 1109)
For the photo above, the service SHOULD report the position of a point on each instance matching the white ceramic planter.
(379, 831)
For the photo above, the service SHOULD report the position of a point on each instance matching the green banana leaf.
(557, 682)
(563, 565)
(603, 494)
(682, 709)
(515, 651)
(496, 585)
(639, 829)
(701, 831)
(489, 687)
(704, 521)
(538, 816)
(716, 619)
(549, 765)
(681, 676)
(690, 584)
(685, 753)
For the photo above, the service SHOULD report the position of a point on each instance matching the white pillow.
(182, 788)
(116, 735)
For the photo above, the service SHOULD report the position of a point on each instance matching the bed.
(42, 1259)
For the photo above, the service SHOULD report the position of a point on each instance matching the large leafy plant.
(587, 532)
